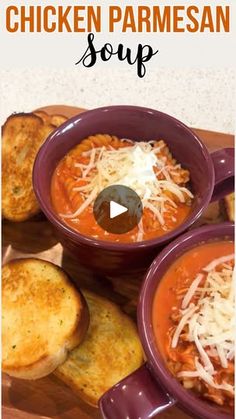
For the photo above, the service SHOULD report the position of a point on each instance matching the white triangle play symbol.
(116, 209)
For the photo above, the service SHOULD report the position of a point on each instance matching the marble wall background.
(203, 98)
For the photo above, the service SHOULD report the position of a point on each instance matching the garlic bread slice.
(110, 351)
(22, 136)
(43, 318)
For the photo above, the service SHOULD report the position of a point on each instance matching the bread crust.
(23, 355)
(229, 206)
(110, 351)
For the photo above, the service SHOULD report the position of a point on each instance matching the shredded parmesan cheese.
(193, 287)
(135, 166)
(85, 204)
(217, 262)
(187, 315)
(208, 320)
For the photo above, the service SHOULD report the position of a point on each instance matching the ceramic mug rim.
(76, 236)
(155, 360)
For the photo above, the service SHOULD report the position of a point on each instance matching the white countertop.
(202, 98)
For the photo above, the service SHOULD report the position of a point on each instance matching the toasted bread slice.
(44, 317)
(22, 136)
(110, 351)
(229, 207)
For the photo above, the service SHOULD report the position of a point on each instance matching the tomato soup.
(193, 320)
(103, 160)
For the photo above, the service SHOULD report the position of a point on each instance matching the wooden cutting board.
(48, 397)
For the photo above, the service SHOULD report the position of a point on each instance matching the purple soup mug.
(152, 388)
(211, 178)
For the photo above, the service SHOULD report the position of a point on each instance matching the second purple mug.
(152, 388)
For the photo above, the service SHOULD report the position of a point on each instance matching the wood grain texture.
(48, 397)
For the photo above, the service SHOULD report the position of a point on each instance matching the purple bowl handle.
(138, 396)
(223, 161)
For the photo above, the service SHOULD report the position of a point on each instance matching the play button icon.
(118, 209)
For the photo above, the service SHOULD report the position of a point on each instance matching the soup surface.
(103, 160)
(194, 320)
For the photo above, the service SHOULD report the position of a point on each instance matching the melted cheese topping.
(137, 167)
(210, 320)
